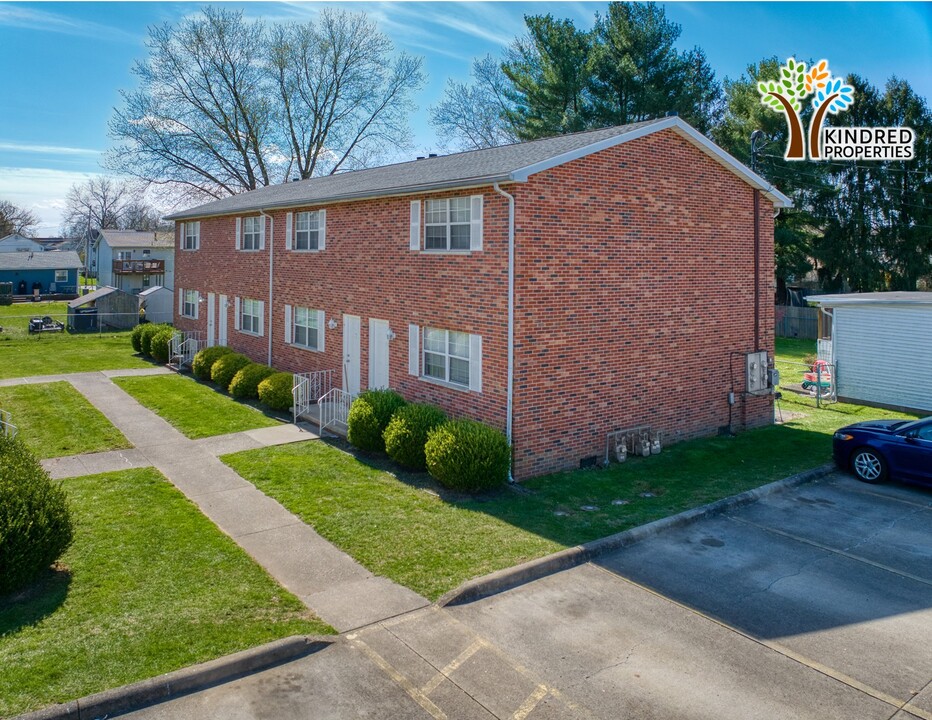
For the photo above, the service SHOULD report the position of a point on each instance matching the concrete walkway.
(337, 588)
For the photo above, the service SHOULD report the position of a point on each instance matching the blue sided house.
(51, 272)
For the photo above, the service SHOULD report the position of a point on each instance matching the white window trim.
(186, 233)
(291, 320)
(419, 225)
(184, 302)
(61, 279)
(260, 244)
(416, 362)
(241, 313)
(317, 230)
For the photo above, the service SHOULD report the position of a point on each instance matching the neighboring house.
(881, 346)
(49, 272)
(20, 243)
(106, 307)
(56, 243)
(133, 260)
(560, 289)
(159, 304)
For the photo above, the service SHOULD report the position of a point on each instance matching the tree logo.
(786, 95)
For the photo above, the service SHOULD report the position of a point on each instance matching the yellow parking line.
(445, 672)
(407, 685)
(527, 707)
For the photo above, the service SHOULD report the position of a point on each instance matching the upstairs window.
(252, 233)
(307, 227)
(191, 236)
(447, 224)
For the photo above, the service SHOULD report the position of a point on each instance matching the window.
(446, 356)
(252, 233)
(189, 306)
(146, 253)
(145, 281)
(307, 231)
(192, 236)
(250, 316)
(306, 333)
(447, 224)
(61, 276)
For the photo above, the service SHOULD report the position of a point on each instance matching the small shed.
(106, 309)
(881, 346)
(158, 302)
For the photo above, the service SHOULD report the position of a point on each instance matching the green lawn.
(22, 354)
(55, 420)
(150, 585)
(404, 527)
(196, 409)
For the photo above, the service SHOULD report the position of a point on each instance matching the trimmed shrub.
(136, 337)
(35, 524)
(467, 455)
(204, 360)
(407, 431)
(149, 331)
(222, 371)
(369, 416)
(275, 391)
(245, 384)
(160, 344)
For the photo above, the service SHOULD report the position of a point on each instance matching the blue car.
(880, 449)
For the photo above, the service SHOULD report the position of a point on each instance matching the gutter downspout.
(511, 320)
(263, 213)
(756, 270)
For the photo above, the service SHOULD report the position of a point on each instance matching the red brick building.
(560, 289)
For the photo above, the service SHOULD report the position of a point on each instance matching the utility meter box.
(756, 375)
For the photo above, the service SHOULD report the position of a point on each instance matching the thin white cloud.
(40, 190)
(31, 18)
(46, 149)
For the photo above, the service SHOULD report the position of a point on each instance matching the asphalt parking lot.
(815, 602)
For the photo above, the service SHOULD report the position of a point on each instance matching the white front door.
(222, 335)
(378, 353)
(211, 318)
(351, 354)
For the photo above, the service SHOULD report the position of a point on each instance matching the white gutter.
(271, 266)
(511, 317)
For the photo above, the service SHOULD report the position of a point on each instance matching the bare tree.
(475, 116)
(99, 202)
(225, 105)
(14, 219)
(201, 119)
(343, 99)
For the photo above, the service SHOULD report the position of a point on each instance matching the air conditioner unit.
(756, 375)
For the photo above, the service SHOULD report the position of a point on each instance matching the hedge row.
(242, 378)
(35, 523)
(463, 455)
(144, 335)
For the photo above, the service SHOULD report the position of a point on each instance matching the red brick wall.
(634, 286)
(367, 270)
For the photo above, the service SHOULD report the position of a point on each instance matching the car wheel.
(868, 465)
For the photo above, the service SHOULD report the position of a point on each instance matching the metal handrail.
(334, 408)
(7, 428)
(308, 388)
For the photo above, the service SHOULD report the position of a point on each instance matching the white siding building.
(881, 346)
(134, 261)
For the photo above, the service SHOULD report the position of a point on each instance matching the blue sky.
(63, 64)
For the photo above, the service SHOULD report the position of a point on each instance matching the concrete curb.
(183, 681)
(508, 578)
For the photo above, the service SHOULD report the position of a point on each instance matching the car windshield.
(908, 425)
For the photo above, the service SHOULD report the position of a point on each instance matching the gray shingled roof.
(48, 260)
(137, 239)
(507, 163)
(92, 296)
